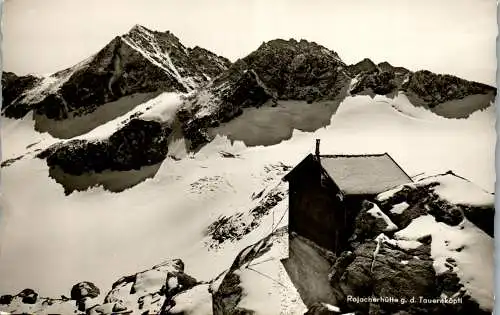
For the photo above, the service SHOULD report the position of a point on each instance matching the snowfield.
(50, 241)
(469, 248)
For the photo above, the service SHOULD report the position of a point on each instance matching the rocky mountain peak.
(296, 69)
(129, 70)
(387, 67)
(302, 45)
(278, 70)
(366, 65)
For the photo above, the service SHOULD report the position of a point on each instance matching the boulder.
(6, 299)
(28, 296)
(370, 222)
(84, 289)
(383, 271)
(423, 198)
(395, 271)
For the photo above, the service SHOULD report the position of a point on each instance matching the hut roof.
(364, 174)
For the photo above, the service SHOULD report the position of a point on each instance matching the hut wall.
(316, 212)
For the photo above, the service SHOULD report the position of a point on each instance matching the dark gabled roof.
(309, 158)
(365, 174)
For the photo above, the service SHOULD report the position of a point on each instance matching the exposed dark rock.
(367, 225)
(387, 67)
(207, 62)
(6, 299)
(383, 275)
(278, 69)
(9, 162)
(175, 283)
(434, 89)
(134, 63)
(226, 103)
(364, 66)
(28, 296)
(398, 273)
(423, 88)
(139, 143)
(226, 297)
(422, 200)
(235, 227)
(342, 262)
(13, 87)
(416, 199)
(178, 281)
(148, 291)
(445, 212)
(381, 83)
(84, 289)
(298, 69)
(482, 217)
(228, 154)
(138, 147)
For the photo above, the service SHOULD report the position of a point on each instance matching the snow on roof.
(364, 174)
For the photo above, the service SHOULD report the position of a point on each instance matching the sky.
(446, 36)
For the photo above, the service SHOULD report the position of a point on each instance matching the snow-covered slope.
(104, 235)
(464, 248)
(199, 167)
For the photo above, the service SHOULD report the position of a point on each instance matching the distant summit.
(129, 70)
(365, 65)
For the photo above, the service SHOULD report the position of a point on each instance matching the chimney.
(317, 147)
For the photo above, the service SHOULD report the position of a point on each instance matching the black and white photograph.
(283, 157)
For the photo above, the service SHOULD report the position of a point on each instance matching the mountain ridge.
(136, 63)
(213, 92)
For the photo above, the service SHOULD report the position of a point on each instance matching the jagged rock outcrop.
(6, 299)
(396, 273)
(387, 67)
(236, 226)
(207, 62)
(220, 102)
(83, 290)
(364, 66)
(29, 302)
(277, 70)
(298, 70)
(229, 293)
(138, 144)
(14, 86)
(423, 88)
(152, 291)
(411, 201)
(378, 272)
(370, 222)
(83, 293)
(434, 89)
(141, 62)
(381, 83)
(28, 296)
(404, 267)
